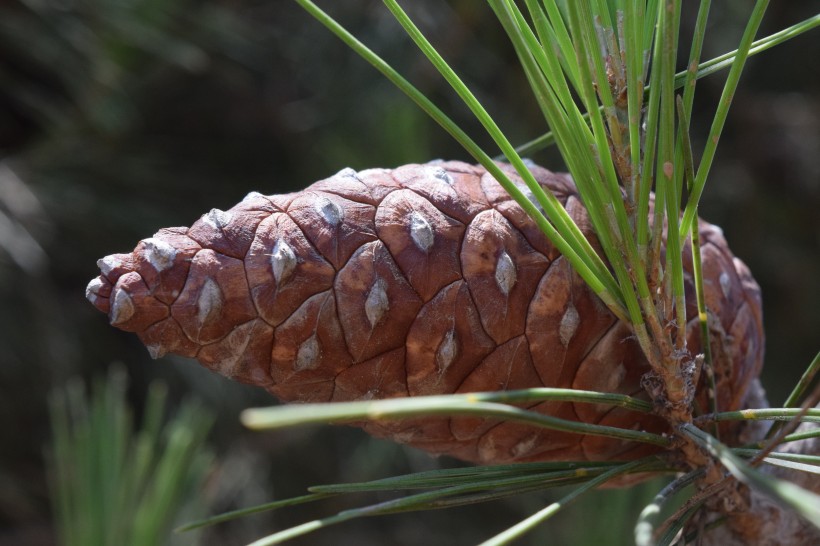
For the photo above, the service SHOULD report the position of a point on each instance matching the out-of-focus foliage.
(112, 483)
(118, 117)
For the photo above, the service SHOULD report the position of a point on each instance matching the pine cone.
(425, 279)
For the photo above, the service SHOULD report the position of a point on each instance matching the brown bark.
(759, 521)
(425, 279)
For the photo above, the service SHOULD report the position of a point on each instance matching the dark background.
(121, 117)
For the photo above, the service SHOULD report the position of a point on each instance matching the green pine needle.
(423, 406)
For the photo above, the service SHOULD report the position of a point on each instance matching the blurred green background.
(118, 117)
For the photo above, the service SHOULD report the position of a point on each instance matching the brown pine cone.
(425, 279)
